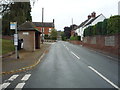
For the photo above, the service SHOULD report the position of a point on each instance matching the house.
(47, 27)
(92, 20)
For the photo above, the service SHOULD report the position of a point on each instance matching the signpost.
(13, 25)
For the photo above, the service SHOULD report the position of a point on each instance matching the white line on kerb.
(103, 77)
(75, 55)
(13, 77)
(19, 86)
(26, 77)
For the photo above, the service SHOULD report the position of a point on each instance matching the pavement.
(27, 60)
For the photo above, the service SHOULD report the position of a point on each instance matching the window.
(49, 29)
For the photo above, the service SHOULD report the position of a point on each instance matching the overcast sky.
(64, 10)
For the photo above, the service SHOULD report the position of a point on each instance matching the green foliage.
(74, 38)
(7, 46)
(88, 31)
(53, 35)
(113, 25)
(18, 11)
(104, 27)
(107, 27)
(63, 36)
(46, 36)
(99, 28)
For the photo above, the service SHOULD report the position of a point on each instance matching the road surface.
(68, 66)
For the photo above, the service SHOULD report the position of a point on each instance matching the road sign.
(13, 25)
(15, 39)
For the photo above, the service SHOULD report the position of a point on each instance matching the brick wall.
(109, 43)
(28, 40)
(46, 30)
(105, 43)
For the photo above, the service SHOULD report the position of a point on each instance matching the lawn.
(7, 46)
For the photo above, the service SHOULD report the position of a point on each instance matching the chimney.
(53, 21)
(93, 15)
(89, 16)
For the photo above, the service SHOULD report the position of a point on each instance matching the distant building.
(119, 8)
(47, 26)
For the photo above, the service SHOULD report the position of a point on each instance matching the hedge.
(107, 27)
(75, 38)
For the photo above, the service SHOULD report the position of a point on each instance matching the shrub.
(104, 27)
(108, 26)
(113, 25)
(88, 31)
(75, 38)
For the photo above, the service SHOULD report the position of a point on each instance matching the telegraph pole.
(72, 23)
(42, 24)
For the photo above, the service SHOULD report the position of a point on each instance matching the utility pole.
(42, 24)
(72, 23)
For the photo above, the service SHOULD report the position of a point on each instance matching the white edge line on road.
(4, 85)
(20, 85)
(13, 77)
(103, 77)
(26, 77)
(75, 55)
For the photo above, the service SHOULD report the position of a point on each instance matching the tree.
(18, 11)
(72, 27)
(53, 34)
(67, 32)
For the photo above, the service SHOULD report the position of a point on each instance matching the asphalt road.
(70, 66)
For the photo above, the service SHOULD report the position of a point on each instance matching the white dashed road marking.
(103, 77)
(67, 48)
(20, 85)
(4, 85)
(26, 77)
(75, 55)
(13, 77)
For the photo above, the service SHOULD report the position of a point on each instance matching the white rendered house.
(92, 20)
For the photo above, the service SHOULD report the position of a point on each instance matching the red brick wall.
(76, 42)
(100, 44)
(46, 29)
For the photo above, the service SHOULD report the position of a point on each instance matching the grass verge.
(7, 46)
